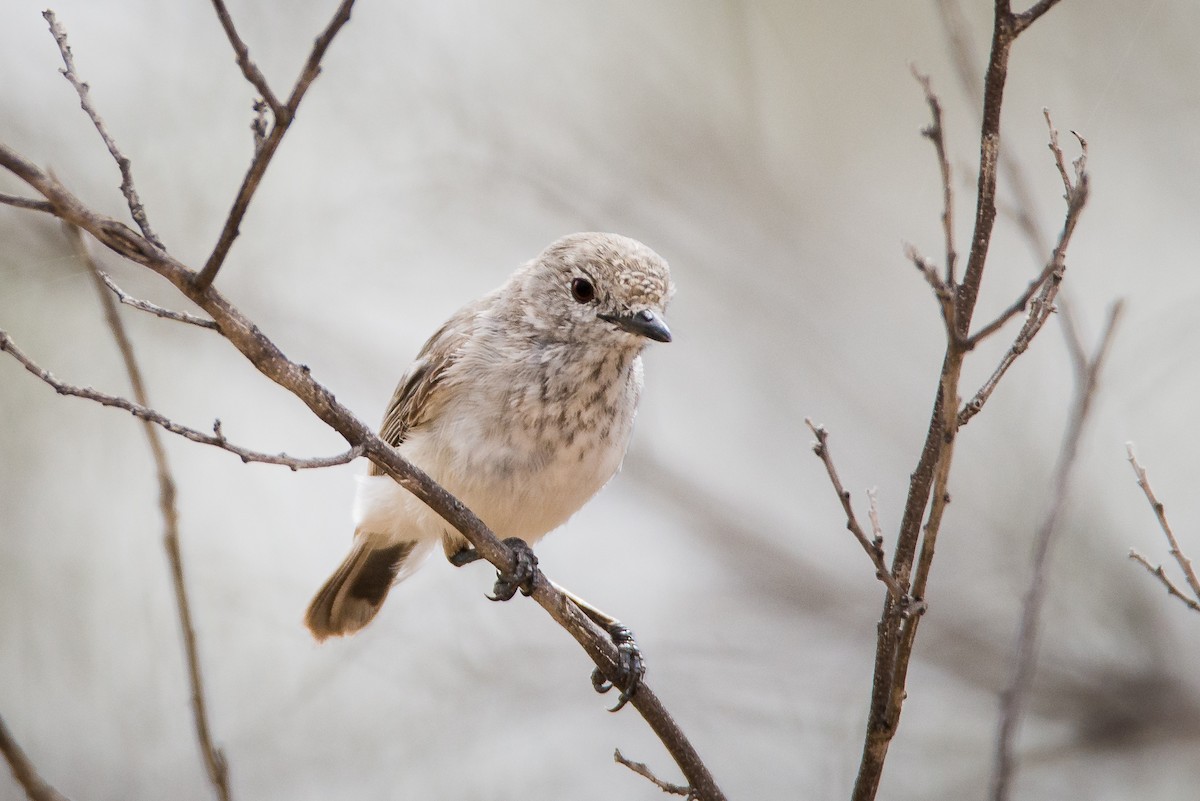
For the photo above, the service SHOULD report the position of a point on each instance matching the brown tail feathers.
(354, 593)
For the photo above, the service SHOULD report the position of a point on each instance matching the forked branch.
(1181, 559)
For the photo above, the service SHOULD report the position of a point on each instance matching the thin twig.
(942, 292)
(136, 210)
(1158, 572)
(260, 351)
(1042, 306)
(249, 69)
(26, 203)
(265, 149)
(216, 439)
(873, 547)
(158, 311)
(36, 788)
(936, 134)
(1185, 564)
(1012, 699)
(1016, 307)
(214, 759)
(640, 769)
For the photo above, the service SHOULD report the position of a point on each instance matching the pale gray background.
(771, 153)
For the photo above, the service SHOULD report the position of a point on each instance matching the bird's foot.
(631, 667)
(522, 576)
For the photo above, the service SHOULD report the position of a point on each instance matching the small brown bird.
(521, 405)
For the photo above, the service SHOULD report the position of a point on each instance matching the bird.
(521, 405)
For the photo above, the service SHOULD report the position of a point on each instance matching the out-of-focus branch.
(36, 788)
(1181, 559)
(873, 546)
(216, 439)
(265, 147)
(214, 759)
(26, 203)
(250, 340)
(1012, 699)
(136, 210)
(146, 306)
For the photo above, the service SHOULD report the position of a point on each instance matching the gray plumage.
(521, 405)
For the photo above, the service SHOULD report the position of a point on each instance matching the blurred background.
(771, 152)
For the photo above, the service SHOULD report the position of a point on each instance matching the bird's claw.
(522, 576)
(631, 667)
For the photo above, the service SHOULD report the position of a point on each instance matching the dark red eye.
(582, 290)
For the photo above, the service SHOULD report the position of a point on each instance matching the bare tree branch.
(136, 210)
(214, 759)
(265, 148)
(873, 547)
(640, 769)
(1041, 307)
(26, 203)
(1012, 699)
(36, 788)
(1185, 564)
(146, 306)
(928, 493)
(249, 69)
(1158, 572)
(936, 134)
(249, 339)
(216, 439)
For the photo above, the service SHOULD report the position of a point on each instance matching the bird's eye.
(582, 290)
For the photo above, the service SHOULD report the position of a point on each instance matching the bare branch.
(26, 203)
(936, 134)
(929, 480)
(1180, 557)
(1027, 18)
(214, 759)
(1042, 306)
(640, 769)
(1158, 572)
(36, 788)
(136, 210)
(216, 439)
(265, 149)
(157, 311)
(1019, 305)
(942, 292)
(1012, 699)
(873, 547)
(249, 69)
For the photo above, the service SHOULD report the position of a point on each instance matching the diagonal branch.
(1158, 572)
(26, 203)
(36, 788)
(1185, 564)
(936, 134)
(873, 547)
(641, 769)
(250, 340)
(216, 439)
(136, 210)
(214, 759)
(265, 151)
(249, 69)
(1012, 699)
(147, 306)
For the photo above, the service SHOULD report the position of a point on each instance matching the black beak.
(644, 323)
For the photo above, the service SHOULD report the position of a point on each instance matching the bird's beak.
(644, 323)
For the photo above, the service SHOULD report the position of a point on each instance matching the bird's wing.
(420, 392)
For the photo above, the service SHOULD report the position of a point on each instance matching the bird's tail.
(353, 594)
